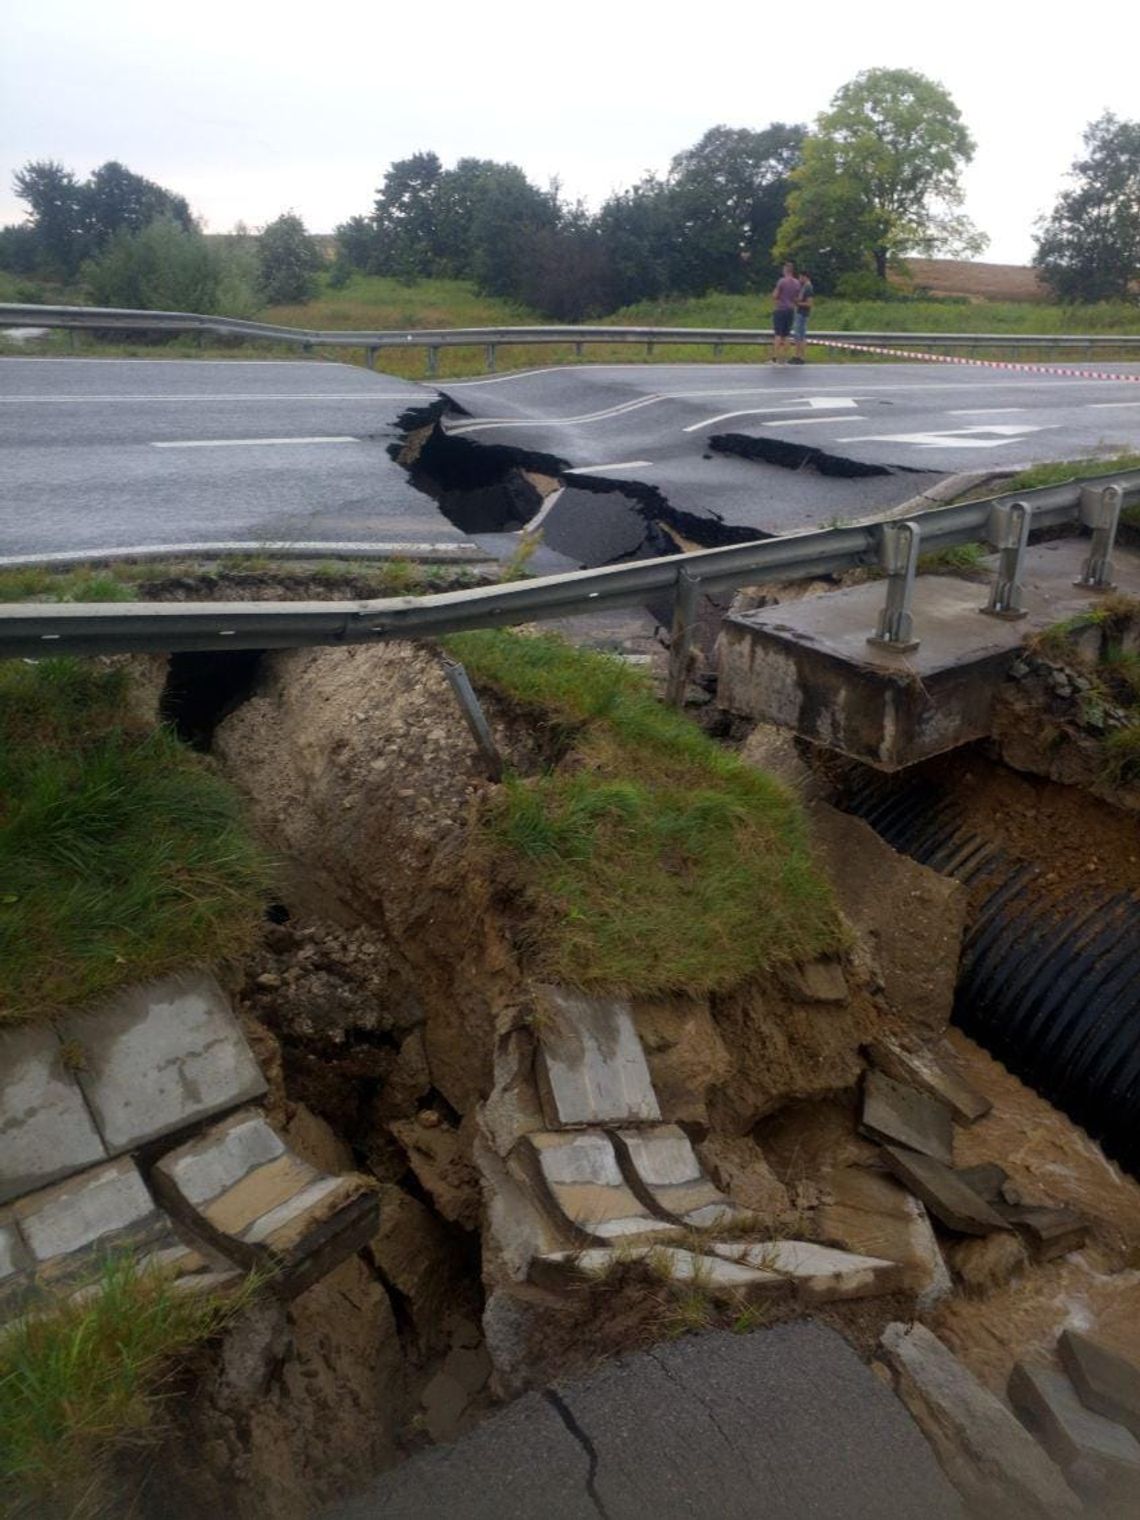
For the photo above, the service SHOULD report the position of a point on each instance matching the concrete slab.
(591, 1067)
(1048, 1232)
(661, 1167)
(16, 1281)
(989, 1456)
(160, 1057)
(580, 1179)
(1106, 1381)
(893, 1112)
(943, 1192)
(713, 1273)
(818, 1274)
(937, 1078)
(807, 665)
(872, 1215)
(1100, 1458)
(244, 1191)
(47, 1127)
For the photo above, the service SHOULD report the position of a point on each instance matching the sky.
(250, 109)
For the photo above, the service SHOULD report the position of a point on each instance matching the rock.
(511, 1320)
(737, 1167)
(893, 1112)
(439, 1159)
(470, 1366)
(773, 750)
(1100, 1458)
(818, 1274)
(255, 1345)
(685, 1052)
(512, 1108)
(591, 1067)
(872, 1215)
(988, 1262)
(444, 1403)
(47, 1127)
(1106, 1381)
(991, 1458)
(520, 1219)
(819, 981)
(316, 1142)
(943, 1192)
(930, 1074)
(406, 1084)
(1048, 1232)
(579, 1176)
(418, 1258)
(987, 1179)
(661, 1167)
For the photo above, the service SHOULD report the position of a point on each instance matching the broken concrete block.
(895, 1114)
(993, 1461)
(871, 1214)
(923, 1070)
(17, 1285)
(1106, 1381)
(579, 1175)
(685, 1052)
(716, 1275)
(987, 1179)
(591, 1067)
(47, 1127)
(818, 1273)
(160, 1057)
(1048, 1232)
(239, 1186)
(943, 1192)
(1100, 1458)
(661, 1166)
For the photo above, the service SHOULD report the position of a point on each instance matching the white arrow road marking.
(815, 403)
(628, 464)
(956, 438)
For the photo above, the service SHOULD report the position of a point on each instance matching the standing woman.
(803, 311)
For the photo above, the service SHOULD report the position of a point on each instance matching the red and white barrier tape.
(1032, 369)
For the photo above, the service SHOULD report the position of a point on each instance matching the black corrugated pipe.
(1049, 982)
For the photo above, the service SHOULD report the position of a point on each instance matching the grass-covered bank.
(85, 1382)
(648, 856)
(122, 855)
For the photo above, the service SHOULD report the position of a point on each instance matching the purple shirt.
(787, 292)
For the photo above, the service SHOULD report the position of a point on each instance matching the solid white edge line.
(628, 464)
(216, 397)
(245, 443)
(779, 422)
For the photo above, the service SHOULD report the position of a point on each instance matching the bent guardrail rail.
(38, 630)
(115, 319)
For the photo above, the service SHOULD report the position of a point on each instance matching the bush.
(288, 261)
(864, 285)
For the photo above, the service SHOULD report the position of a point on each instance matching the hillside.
(980, 282)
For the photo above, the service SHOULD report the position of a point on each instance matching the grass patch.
(1064, 470)
(954, 560)
(649, 858)
(122, 856)
(83, 1382)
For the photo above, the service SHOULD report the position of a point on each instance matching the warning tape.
(1032, 369)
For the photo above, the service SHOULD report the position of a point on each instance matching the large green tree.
(880, 178)
(287, 261)
(1089, 248)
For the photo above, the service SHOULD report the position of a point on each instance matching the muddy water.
(1051, 1160)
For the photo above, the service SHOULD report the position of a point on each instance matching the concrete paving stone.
(17, 1285)
(580, 1176)
(818, 1273)
(660, 1165)
(893, 1113)
(1106, 1381)
(239, 1186)
(1048, 1232)
(872, 1215)
(47, 1127)
(943, 1192)
(160, 1057)
(591, 1067)
(713, 1273)
(989, 1456)
(1100, 1457)
(938, 1078)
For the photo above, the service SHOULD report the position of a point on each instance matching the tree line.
(876, 178)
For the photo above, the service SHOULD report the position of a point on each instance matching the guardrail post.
(577, 350)
(898, 555)
(473, 715)
(649, 347)
(490, 365)
(433, 360)
(1009, 530)
(718, 349)
(681, 639)
(1100, 511)
(370, 358)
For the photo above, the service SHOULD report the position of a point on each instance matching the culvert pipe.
(1049, 978)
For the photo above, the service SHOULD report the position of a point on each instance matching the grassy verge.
(83, 1382)
(121, 855)
(1114, 675)
(1061, 470)
(649, 858)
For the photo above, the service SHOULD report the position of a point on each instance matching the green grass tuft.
(82, 1382)
(649, 857)
(122, 855)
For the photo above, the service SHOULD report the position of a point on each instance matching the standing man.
(784, 298)
(803, 311)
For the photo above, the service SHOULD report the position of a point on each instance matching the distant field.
(980, 282)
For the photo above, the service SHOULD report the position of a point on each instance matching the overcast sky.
(250, 109)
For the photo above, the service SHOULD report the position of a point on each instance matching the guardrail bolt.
(1009, 531)
(1100, 509)
(898, 556)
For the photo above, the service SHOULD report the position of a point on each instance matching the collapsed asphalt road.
(105, 454)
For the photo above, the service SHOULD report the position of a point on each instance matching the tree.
(117, 200)
(54, 198)
(356, 242)
(1089, 248)
(880, 178)
(161, 268)
(404, 217)
(287, 261)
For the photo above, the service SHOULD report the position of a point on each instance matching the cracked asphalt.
(110, 454)
(780, 1424)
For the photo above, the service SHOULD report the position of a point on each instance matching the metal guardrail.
(38, 630)
(114, 319)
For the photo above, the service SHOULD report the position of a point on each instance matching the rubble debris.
(1106, 1381)
(1100, 1458)
(931, 1074)
(591, 1067)
(660, 1165)
(893, 1112)
(943, 1192)
(578, 1173)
